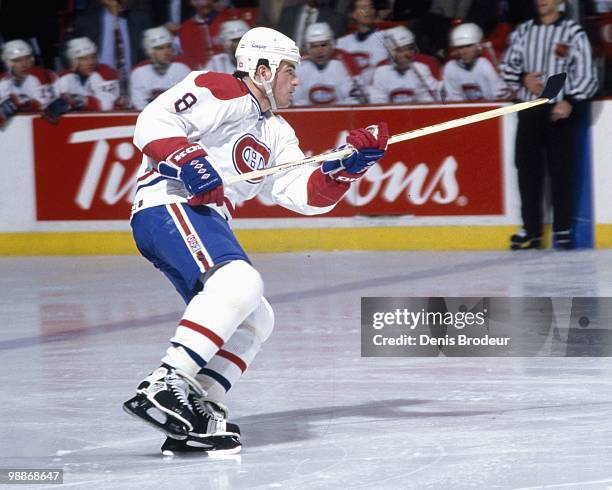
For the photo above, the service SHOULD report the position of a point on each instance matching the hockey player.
(24, 87)
(150, 78)
(325, 78)
(366, 44)
(231, 32)
(471, 76)
(205, 128)
(404, 79)
(199, 35)
(87, 86)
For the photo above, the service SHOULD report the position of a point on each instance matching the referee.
(546, 135)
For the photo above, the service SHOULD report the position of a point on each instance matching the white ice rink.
(78, 334)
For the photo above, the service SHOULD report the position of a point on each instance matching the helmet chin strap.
(267, 86)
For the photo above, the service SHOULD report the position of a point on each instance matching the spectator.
(231, 32)
(366, 45)
(199, 35)
(404, 79)
(545, 137)
(87, 85)
(116, 27)
(599, 6)
(28, 87)
(36, 22)
(409, 9)
(471, 76)
(150, 78)
(325, 78)
(295, 19)
(452, 9)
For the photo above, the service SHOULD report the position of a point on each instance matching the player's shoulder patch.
(106, 72)
(483, 60)
(4, 75)
(142, 63)
(222, 85)
(42, 75)
(66, 72)
(182, 65)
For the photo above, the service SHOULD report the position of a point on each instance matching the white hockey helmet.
(270, 46)
(77, 47)
(319, 32)
(232, 30)
(465, 35)
(398, 37)
(154, 37)
(15, 49)
(262, 43)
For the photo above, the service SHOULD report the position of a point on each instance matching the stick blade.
(554, 84)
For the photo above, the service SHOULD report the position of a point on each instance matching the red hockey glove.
(370, 145)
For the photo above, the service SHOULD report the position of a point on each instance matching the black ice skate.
(211, 418)
(212, 433)
(162, 400)
(524, 241)
(563, 240)
(209, 445)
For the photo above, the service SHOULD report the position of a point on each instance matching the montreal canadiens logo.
(321, 94)
(250, 154)
(401, 95)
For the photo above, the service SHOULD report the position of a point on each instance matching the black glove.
(61, 106)
(8, 109)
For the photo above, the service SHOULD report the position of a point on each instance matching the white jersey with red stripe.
(33, 92)
(416, 84)
(221, 63)
(480, 81)
(101, 87)
(218, 112)
(146, 83)
(323, 85)
(367, 49)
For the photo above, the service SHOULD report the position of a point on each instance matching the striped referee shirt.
(551, 48)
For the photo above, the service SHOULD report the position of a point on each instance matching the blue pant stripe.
(194, 355)
(217, 377)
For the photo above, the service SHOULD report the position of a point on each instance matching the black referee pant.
(543, 145)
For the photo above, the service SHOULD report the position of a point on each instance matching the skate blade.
(138, 408)
(213, 448)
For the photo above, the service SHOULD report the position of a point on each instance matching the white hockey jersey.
(33, 93)
(416, 84)
(327, 85)
(221, 63)
(146, 83)
(368, 51)
(220, 113)
(101, 87)
(477, 82)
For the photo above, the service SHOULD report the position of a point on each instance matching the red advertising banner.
(86, 165)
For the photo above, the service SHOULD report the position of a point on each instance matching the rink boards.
(67, 188)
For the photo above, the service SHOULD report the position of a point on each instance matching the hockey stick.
(552, 88)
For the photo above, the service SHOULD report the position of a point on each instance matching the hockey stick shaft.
(553, 86)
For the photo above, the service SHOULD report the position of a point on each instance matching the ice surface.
(78, 334)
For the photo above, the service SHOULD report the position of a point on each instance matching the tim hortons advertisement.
(86, 165)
